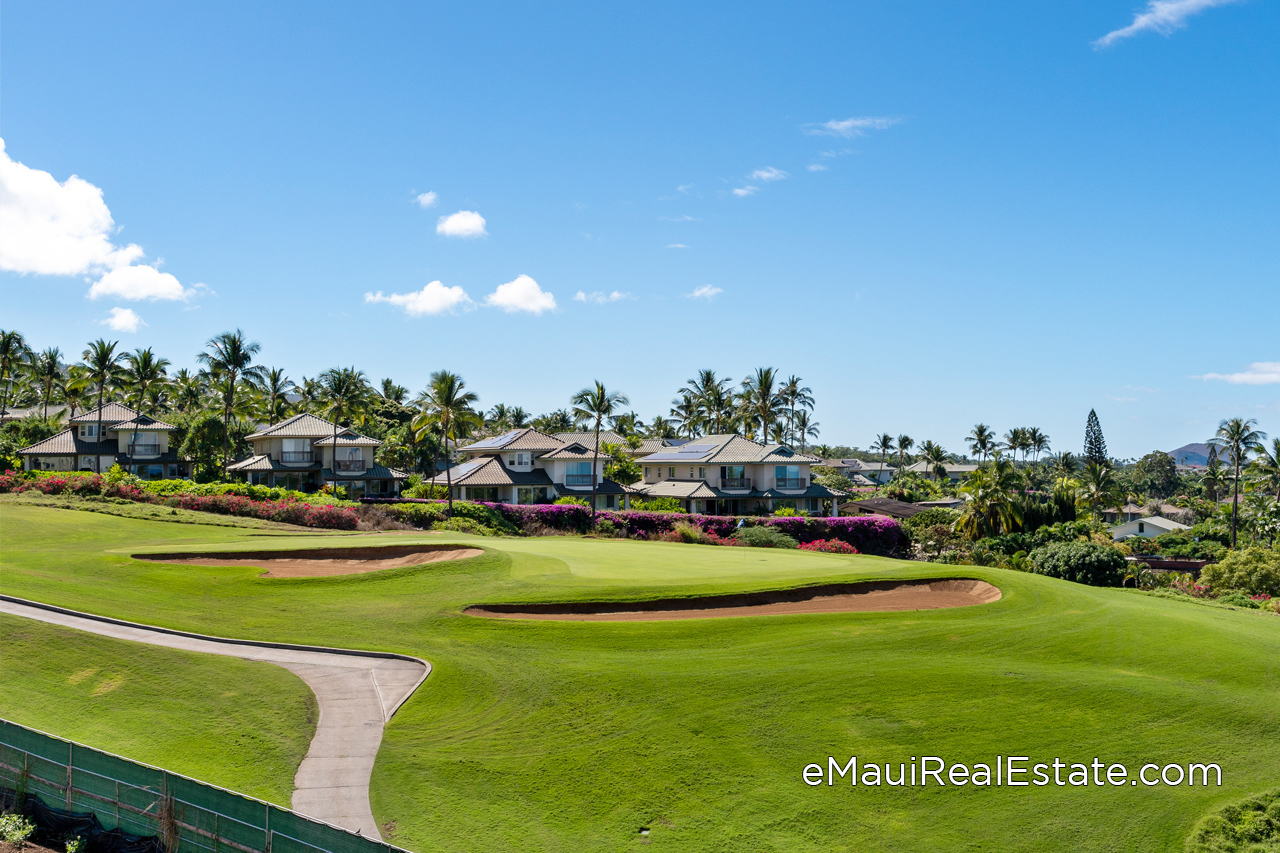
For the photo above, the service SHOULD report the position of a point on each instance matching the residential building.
(881, 506)
(136, 442)
(1148, 528)
(302, 453)
(56, 410)
(732, 475)
(647, 445)
(527, 466)
(1129, 512)
(955, 471)
(872, 473)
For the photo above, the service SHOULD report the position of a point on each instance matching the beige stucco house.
(302, 453)
(136, 442)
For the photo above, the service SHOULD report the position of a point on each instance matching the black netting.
(57, 824)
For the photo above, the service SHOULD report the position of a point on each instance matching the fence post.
(70, 760)
(267, 828)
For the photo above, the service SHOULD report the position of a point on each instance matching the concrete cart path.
(357, 693)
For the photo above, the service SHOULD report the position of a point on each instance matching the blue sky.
(945, 213)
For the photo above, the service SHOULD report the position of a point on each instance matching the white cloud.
(521, 294)
(464, 223)
(768, 173)
(1258, 373)
(602, 298)
(742, 192)
(684, 218)
(139, 281)
(1163, 16)
(123, 320)
(850, 127)
(707, 291)
(433, 299)
(426, 200)
(816, 167)
(676, 246)
(52, 228)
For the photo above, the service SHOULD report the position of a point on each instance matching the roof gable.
(111, 413)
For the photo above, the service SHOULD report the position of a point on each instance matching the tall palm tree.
(1214, 477)
(346, 396)
(74, 386)
(990, 509)
(981, 441)
(141, 372)
(230, 357)
(1037, 441)
(883, 444)
(684, 412)
(46, 370)
(1015, 441)
(905, 443)
(1239, 437)
(103, 367)
(14, 353)
(1065, 465)
(519, 417)
(445, 404)
(596, 403)
(1099, 487)
(1266, 468)
(188, 390)
(794, 395)
(759, 401)
(499, 417)
(275, 386)
(713, 399)
(805, 429)
(392, 392)
(935, 457)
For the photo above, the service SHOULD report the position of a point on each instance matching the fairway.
(547, 735)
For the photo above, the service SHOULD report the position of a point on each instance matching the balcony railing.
(579, 479)
(145, 448)
(790, 483)
(350, 465)
(735, 482)
(296, 456)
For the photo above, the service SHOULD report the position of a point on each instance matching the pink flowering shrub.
(829, 546)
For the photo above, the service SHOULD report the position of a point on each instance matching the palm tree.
(981, 441)
(659, 427)
(935, 457)
(230, 356)
(499, 417)
(393, 393)
(1214, 477)
(1098, 487)
(990, 509)
(794, 395)
(884, 444)
(1267, 467)
(275, 387)
(142, 371)
(905, 443)
(46, 370)
(519, 417)
(14, 353)
(805, 429)
(1065, 465)
(759, 401)
(1037, 441)
(74, 386)
(596, 403)
(103, 366)
(1238, 436)
(684, 412)
(346, 396)
(713, 399)
(1016, 441)
(445, 404)
(188, 390)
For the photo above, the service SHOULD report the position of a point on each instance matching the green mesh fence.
(187, 816)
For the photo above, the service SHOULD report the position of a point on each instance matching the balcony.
(735, 482)
(296, 456)
(790, 483)
(145, 448)
(350, 466)
(579, 479)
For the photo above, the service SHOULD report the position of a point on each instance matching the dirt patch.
(322, 562)
(829, 598)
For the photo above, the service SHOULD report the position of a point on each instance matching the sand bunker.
(322, 562)
(828, 598)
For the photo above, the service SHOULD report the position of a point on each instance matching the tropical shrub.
(931, 517)
(287, 512)
(1254, 571)
(1235, 598)
(659, 504)
(765, 537)
(1083, 562)
(16, 829)
(1253, 825)
(829, 546)
(570, 499)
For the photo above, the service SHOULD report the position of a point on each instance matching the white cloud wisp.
(521, 294)
(768, 173)
(707, 291)
(52, 228)
(123, 320)
(600, 297)
(464, 223)
(851, 127)
(425, 200)
(1162, 16)
(743, 192)
(432, 300)
(1258, 373)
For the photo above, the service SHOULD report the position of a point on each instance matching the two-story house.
(303, 453)
(525, 466)
(138, 443)
(732, 475)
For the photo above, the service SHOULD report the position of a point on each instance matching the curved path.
(357, 693)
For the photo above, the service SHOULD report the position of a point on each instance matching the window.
(690, 472)
(517, 459)
(702, 473)
(646, 472)
(1142, 528)
(671, 472)
(786, 472)
(88, 430)
(580, 468)
(297, 444)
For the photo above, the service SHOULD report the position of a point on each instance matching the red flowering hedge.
(94, 485)
(829, 546)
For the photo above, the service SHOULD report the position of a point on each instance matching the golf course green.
(687, 735)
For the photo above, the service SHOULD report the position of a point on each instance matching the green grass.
(199, 715)
(555, 735)
(131, 509)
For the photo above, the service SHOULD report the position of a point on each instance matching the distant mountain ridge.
(1192, 454)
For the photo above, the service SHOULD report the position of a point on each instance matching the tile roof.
(516, 439)
(730, 450)
(813, 490)
(305, 425)
(377, 472)
(111, 413)
(605, 487)
(266, 463)
(682, 489)
(572, 450)
(17, 414)
(143, 423)
(348, 438)
(923, 467)
(68, 443)
(489, 471)
(883, 506)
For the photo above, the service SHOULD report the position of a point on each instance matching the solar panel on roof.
(497, 440)
(696, 448)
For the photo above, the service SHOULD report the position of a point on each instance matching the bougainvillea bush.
(829, 546)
